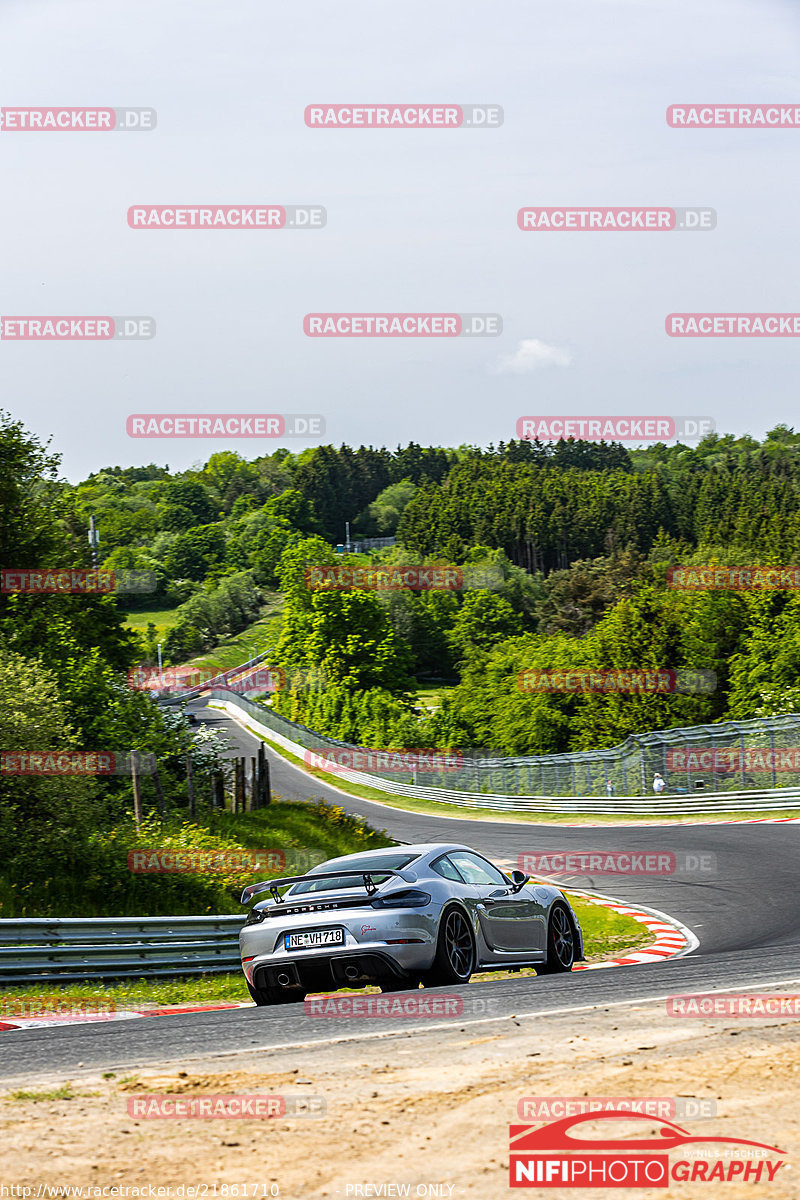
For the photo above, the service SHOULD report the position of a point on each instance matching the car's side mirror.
(518, 880)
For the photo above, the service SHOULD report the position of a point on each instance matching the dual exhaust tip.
(284, 979)
(351, 972)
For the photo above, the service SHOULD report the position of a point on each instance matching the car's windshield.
(373, 864)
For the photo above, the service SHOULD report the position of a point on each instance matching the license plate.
(315, 937)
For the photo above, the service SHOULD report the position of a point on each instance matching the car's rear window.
(395, 862)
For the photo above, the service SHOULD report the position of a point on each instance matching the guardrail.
(282, 732)
(46, 949)
(194, 690)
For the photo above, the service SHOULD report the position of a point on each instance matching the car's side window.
(476, 869)
(444, 867)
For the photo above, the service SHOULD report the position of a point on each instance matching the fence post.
(254, 796)
(772, 755)
(137, 796)
(190, 784)
(264, 782)
(238, 785)
(162, 802)
(219, 790)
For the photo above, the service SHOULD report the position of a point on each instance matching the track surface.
(746, 917)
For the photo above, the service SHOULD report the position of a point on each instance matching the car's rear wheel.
(265, 996)
(455, 951)
(560, 943)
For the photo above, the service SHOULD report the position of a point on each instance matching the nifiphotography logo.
(561, 1154)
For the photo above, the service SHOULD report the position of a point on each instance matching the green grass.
(105, 886)
(260, 636)
(431, 697)
(607, 934)
(64, 1092)
(162, 618)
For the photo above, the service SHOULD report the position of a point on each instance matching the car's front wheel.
(560, 943)
(265, 996)
(455, 951)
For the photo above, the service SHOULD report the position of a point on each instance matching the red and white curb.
(671, 938)
(662, 823)
(45, 1021)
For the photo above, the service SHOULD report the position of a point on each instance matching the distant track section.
(282, 732)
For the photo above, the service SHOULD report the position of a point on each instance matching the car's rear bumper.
(396, 945)
(319, 972)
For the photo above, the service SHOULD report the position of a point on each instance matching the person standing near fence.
(658, 783)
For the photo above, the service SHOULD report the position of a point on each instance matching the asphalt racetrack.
(744, 911)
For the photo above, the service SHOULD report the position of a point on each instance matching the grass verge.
(255, 639)
(162, 618)
(110, 883)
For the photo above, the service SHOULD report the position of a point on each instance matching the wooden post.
(137, 795)
(219, 790)
(162, 802)
(254, 797)
(190, 784)
(238, 785)
(266, 790)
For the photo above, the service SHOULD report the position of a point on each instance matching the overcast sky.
(418, 221)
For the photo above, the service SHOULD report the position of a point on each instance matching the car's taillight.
(254, 916)
(412, 898)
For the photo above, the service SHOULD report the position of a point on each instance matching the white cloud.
(530, 355)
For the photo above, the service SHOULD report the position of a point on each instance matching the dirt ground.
(421, 1115)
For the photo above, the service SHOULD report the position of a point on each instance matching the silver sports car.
(430, 914)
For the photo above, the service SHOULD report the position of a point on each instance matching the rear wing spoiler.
(272, 885)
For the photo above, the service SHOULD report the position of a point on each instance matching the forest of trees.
(573, 541)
